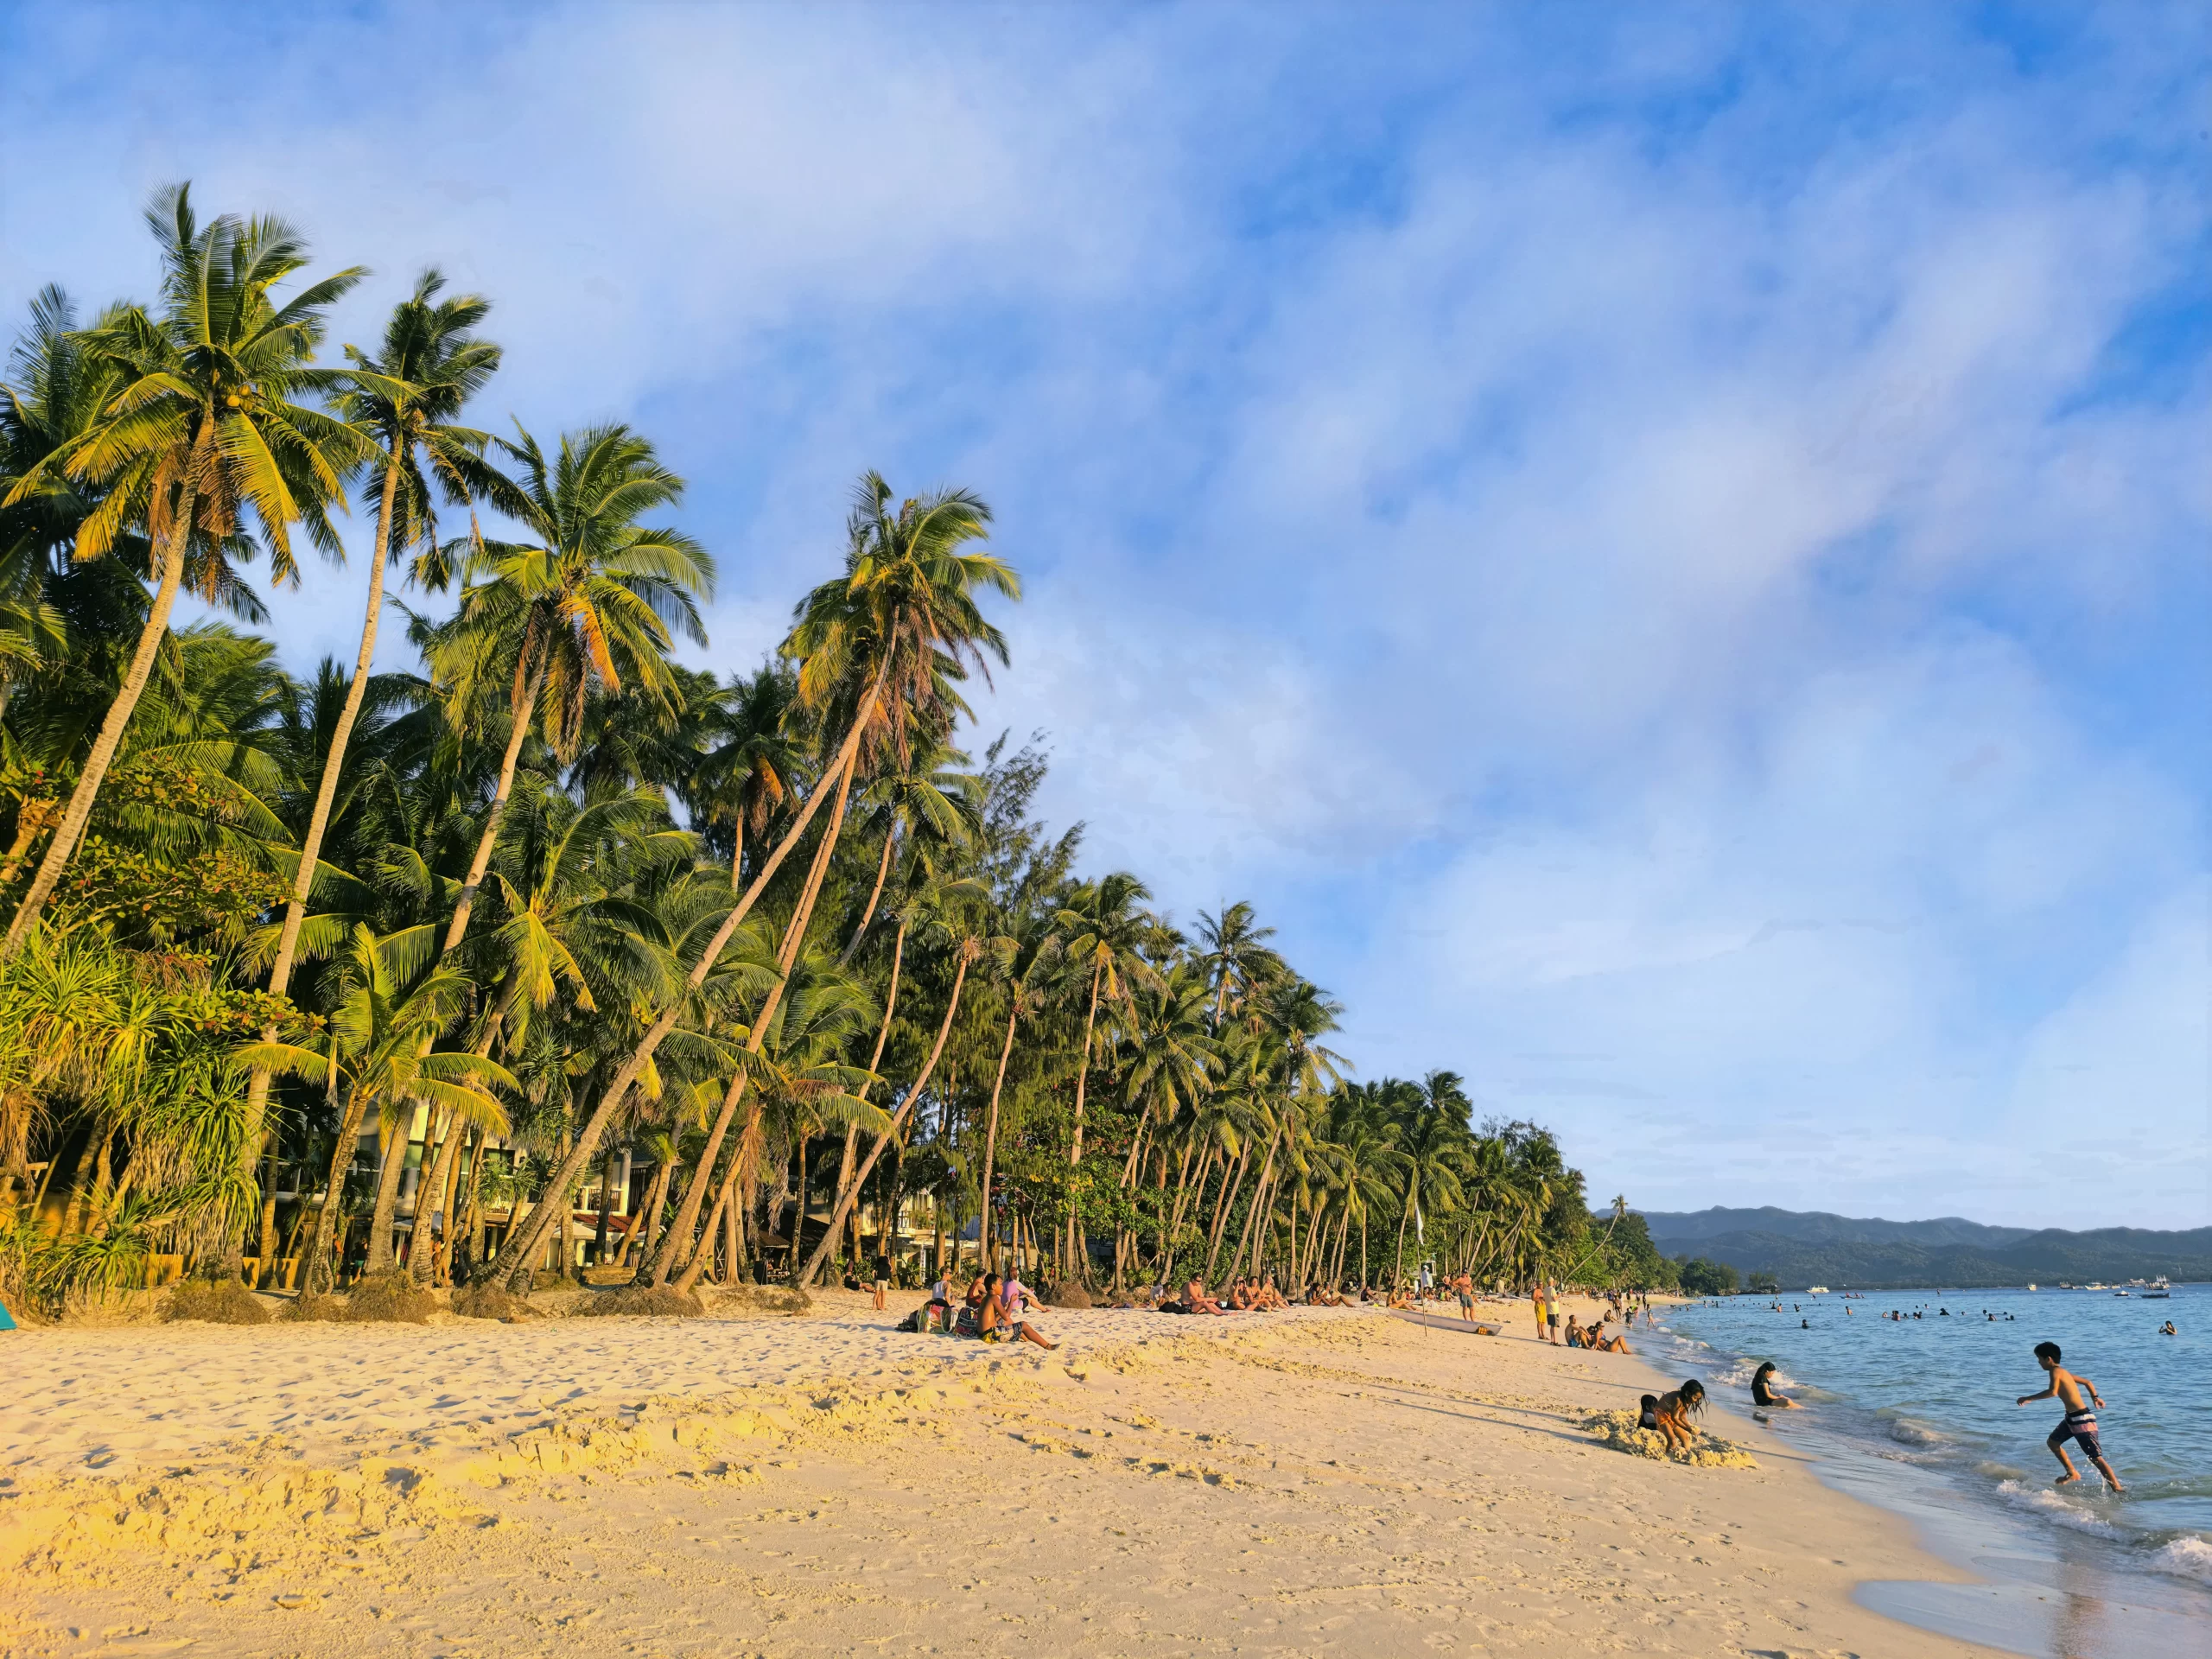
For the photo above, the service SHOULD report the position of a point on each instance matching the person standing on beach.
(1536, 1296)
(2080, 1422)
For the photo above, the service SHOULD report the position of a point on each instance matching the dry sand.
(1315, 1482)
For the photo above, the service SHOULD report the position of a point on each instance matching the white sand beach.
(1320, 1481)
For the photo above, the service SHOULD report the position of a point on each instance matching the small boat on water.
(2157, 1291)
(1818, 1290)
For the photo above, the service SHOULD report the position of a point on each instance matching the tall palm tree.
(202, 431)
(586, 606)
(403, 403)
(1434, 1140)
(1172, 1061)
(874, 648)
(1104, 929)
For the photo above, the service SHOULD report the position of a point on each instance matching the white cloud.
(1672, 571)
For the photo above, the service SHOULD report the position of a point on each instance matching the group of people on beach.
(996, 1308)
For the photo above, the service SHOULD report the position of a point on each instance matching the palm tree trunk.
(620, 1087)
(1078, 1250)
(488, 838)
(680, 1235)
(334, 1199)
(646, 1211)
(1223, 1206)
(79, 814)
(913, 1096)
(1398, 1260)
(393, 1168)
(280, 972)
(991, 1124)
(846, 1178)
(1244, 1234)
(882, 870)
(798, 1210)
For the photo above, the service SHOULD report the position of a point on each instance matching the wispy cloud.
(1674, 539)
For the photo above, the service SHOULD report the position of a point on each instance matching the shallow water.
(1917, 1415)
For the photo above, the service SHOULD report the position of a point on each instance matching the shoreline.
(1326, 1479)
(2051, 1576)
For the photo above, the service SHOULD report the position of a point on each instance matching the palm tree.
(404, 402)
(1173, 1059)
(588, 606)
(795, 1070)
(396, 997)
(878, 642)
(1236, 956)
(201, 430)
(1432, 1139)
(572, 919)
(1103, 931)
(755, 761)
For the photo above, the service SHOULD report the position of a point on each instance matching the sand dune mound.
(764, 1298)
(492, 1302)
(641, 1301)
(390, 1298)
(227, 1302)
(1619, 1430)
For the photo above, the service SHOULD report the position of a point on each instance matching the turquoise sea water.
(1918, 1416)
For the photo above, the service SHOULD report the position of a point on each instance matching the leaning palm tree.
(202, 431)
(396, 998)
(874, 648)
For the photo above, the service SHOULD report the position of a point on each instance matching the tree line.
(771, 946)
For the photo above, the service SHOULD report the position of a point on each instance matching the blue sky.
(1665, 548)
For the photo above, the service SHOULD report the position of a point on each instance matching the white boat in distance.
(1817, 1290)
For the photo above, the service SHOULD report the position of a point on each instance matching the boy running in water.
(2080, 1422)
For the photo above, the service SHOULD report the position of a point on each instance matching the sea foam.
(2052, 1506)
(2186, 1557)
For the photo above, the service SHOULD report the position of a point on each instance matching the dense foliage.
(755, 967)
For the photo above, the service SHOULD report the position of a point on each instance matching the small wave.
(1906, 1432)
(2187, 1557)
(2054, 1507)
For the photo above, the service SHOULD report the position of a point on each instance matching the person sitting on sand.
(1196, 1300)
(1616, 1344)
(940, 1302)
(1647, 1416)
(1763, 1392)
(1674, 1412)
(1573, 1331)
(1401, 1297)
(1002, 1317)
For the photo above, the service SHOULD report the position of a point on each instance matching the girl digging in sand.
(1673, 1413)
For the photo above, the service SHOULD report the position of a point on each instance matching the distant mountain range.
(1802, 1248)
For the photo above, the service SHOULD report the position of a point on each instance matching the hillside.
(1843, 1252)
